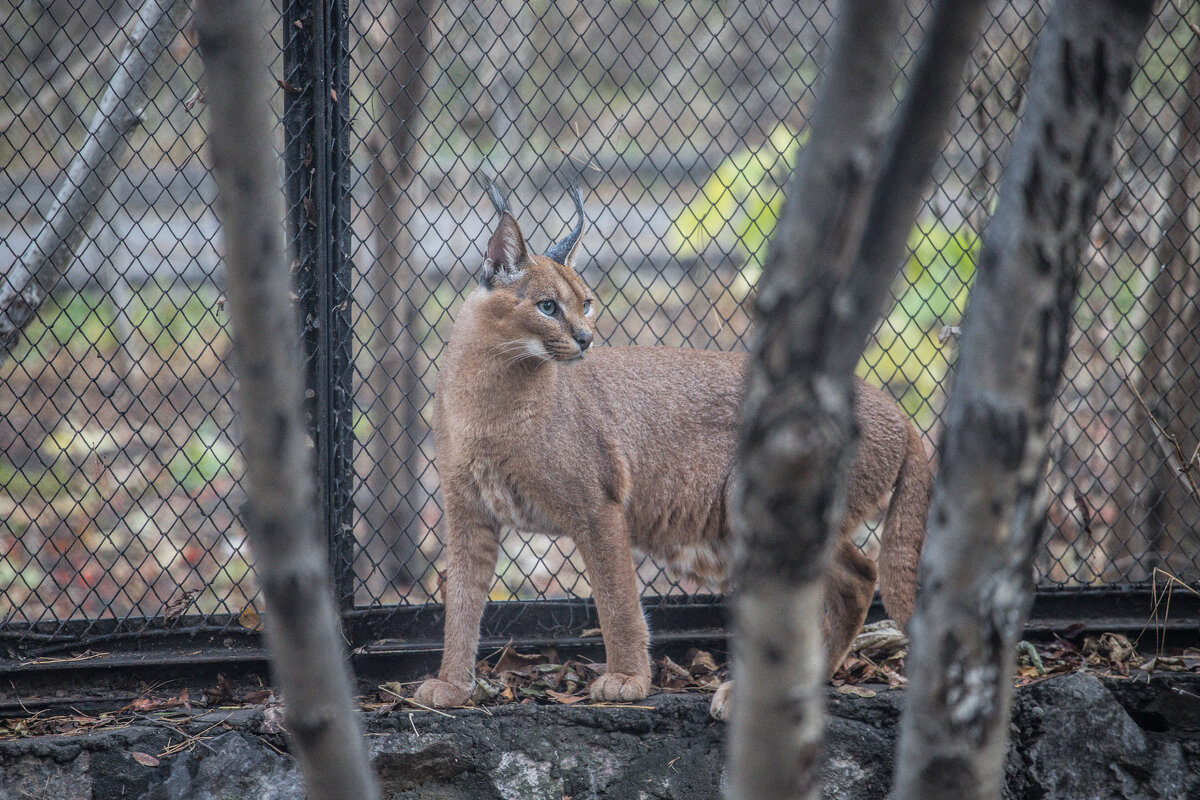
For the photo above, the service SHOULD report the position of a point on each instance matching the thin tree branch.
(93, 169)
(1185, 467)
(913, 147)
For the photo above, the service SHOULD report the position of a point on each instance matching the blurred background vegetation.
(118, 448)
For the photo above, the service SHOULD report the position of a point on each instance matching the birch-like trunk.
(399, 35)
(840, 240)
(75, 207)
(308, 656)
(989, 499)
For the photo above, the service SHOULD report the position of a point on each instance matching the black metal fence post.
(316, 123)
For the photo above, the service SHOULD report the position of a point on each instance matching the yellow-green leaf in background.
(736, 210)
(738, 205)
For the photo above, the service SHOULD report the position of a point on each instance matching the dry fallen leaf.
(221, 693)
(1028, 671)
(512, 661)
(249, 619)
(1118, 647)
(484, 690)
(670, 666)
(879, 641)
(701, 661)
(1170, 663)
(146, 704)
(257, 696)
(565, 699)
(180, 603)
(145, 759)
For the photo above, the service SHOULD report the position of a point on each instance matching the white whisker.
(517, 350)
(508, 346)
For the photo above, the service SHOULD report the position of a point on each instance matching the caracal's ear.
(564, 250)
(507, 255)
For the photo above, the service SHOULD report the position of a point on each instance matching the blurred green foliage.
(166, 323)
(119, 476)
(165, 320)
(736, 210)
(204, 457)
(907, 352)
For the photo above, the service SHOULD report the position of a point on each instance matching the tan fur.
(623, 449)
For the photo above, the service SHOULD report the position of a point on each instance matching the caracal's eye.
(587, 308)
(548, 307)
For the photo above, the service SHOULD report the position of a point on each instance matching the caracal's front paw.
(615, 687)
(722, 702)
(439, 694)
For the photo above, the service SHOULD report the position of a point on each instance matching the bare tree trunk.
(1170, 371)
(307, 655)
(841, 239)
(399, 35)
(47, 257)
(990, 499)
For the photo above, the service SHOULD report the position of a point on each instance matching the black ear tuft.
(496, 196)
(564, 250)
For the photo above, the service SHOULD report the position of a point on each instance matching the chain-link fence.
(119, 471)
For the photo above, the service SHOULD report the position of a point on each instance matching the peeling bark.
(989, 500)
(307, 655)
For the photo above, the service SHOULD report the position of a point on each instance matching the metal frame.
(317, 160)
(405, 644)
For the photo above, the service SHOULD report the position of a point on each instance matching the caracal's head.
(536, 306)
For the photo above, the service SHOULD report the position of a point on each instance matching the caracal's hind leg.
(849, 587)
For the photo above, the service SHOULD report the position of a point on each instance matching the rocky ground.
(1073, 736)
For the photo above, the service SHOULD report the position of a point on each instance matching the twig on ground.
(1029, 651)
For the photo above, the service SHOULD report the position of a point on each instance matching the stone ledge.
(1073, 736)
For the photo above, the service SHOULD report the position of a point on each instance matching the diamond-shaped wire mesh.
(119, 466)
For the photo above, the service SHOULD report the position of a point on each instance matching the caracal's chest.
(508, 495)
(479, 440)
